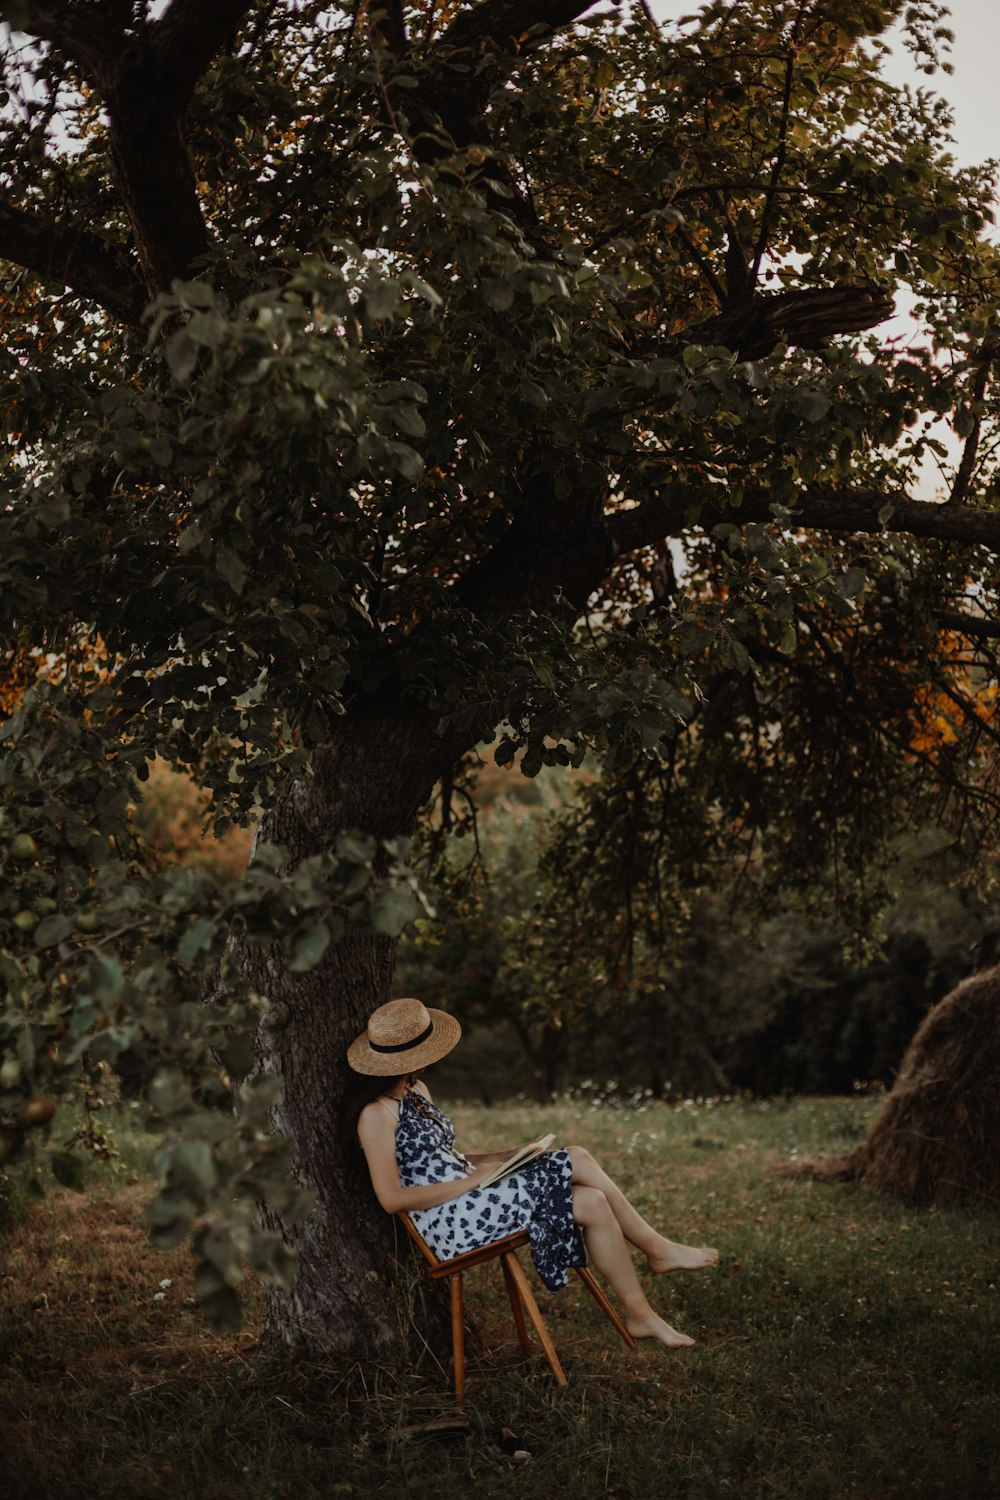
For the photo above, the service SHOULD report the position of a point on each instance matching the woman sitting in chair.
(562, 1198)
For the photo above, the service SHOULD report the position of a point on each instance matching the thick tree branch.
(91, 36)
(74, 258)
(146, 95)
(554, 546)
(504, 22)
(974, 626)
(963, 479)
(187, 37)
(386, 25)
(807, 318)
(823, 509)
(147, 73)
(776, 170)
(183, 40)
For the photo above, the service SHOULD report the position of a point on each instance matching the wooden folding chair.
(518, 1290)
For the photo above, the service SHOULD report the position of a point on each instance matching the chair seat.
(522, 1300)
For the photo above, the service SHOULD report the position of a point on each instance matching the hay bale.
(937, 1139)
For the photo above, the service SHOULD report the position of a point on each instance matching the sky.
(971, 90)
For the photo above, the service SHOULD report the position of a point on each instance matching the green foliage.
(568, 953)
(113, 968)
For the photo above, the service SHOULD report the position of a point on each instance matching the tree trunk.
(937, 1139)
(374, 777)
(153, 171)
(342, 1299)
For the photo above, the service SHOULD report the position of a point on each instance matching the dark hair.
(361, 1090)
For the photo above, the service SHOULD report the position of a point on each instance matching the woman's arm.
(377, 1134)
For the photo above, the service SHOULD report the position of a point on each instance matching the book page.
(519, 1159)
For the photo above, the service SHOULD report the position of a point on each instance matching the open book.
(520, 1158)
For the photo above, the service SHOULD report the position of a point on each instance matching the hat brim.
(362, 1057)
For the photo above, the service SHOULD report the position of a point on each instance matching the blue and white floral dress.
(538, 1197)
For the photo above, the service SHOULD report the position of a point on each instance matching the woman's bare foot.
(673, 1257)
(650, 1326)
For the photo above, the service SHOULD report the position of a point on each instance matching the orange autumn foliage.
(942, 709)
(171, 821)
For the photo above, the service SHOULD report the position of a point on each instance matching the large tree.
(363, 364)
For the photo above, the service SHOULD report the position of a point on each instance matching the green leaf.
(222, 1309)
(239, 1055)
(53, 929)
(308, 946)
(181, 356)
(169, 1234)
(815, 405)
(391, 908)
(356, 848)
(230, 567)
(851, 582)
(67, 1169)
(169, 1217)
(217, 1247)
(498, 294)
(381, 297)
(409, 420)
(534, 394)
(739, 655)
(198, 936)
(192, 1167)
(217, 1297)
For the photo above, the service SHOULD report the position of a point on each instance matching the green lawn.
(846, 1347)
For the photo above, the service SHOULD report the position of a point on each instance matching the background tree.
(450, 313)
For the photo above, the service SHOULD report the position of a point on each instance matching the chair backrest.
(418, 1238)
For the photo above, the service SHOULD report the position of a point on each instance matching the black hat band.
(403, 1046)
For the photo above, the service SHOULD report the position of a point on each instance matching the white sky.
(972, 89)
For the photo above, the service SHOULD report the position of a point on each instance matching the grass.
(847, 1347)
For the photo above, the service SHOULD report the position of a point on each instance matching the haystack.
(937, 1139)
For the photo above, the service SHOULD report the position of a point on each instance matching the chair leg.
(596, 1291)
(458, 1334)
(531, 1307)
(515, 1301)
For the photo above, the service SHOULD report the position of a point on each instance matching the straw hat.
(402, 1037)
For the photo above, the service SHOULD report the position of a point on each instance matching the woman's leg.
(661, 1253)
(607, 1249)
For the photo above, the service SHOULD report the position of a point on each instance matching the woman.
(409, 1147)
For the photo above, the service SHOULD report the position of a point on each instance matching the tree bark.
(73, 258)
(342, 1300)
(375, 775)
(844, 509)
(154, 175)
